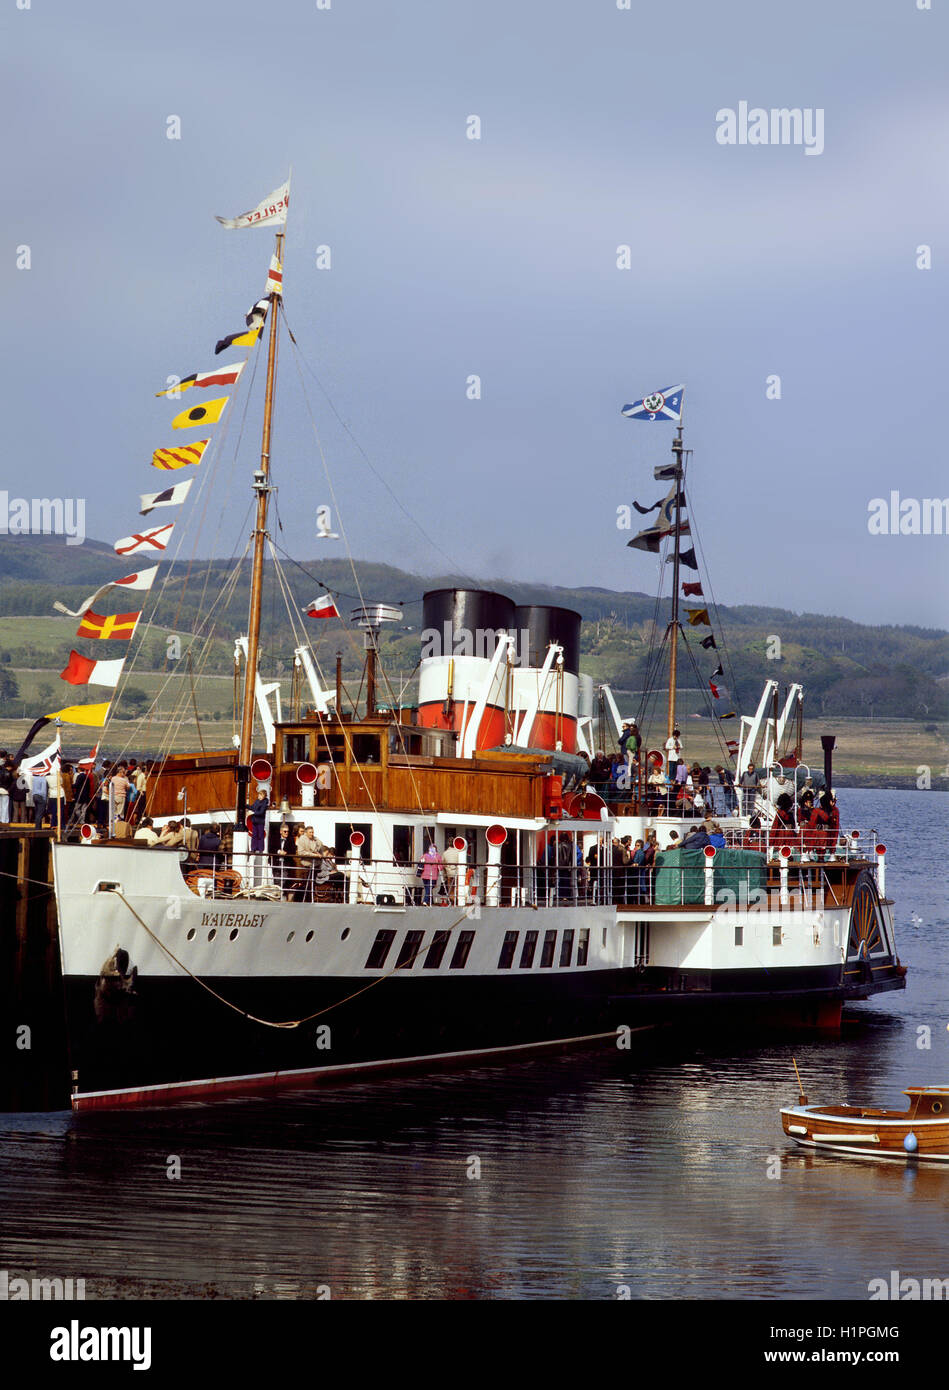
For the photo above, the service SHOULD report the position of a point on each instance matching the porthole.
(212, 933)
(937, 1107)
(344, 933)
(234, 934)
(192, 934)
(309, 936)
(290, 936)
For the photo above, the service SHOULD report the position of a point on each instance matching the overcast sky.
(496, 257)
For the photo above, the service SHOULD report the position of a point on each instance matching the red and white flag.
(155, 539)
(142, 580)
(275, 277)
(272, 211)
(222, 376)
(82, 670)
(322, 608)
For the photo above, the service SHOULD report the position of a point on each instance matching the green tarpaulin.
(680, 874)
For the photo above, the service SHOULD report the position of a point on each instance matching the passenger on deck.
(189, 836)
(783, 830)
(727, 780)
(716, 836)
(697, 838)
(258, 821)
(657, 791)
(171, 837)
(600, 772)
(146, 832)
(673, 747)
(748, 782)
(208, 849)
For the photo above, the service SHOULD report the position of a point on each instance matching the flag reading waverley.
(270, 213)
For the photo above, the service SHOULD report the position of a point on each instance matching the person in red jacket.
(782, 827)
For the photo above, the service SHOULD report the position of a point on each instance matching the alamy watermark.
(43, 516)
(908, 516)
(778, 126)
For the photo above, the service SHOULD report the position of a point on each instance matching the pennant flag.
(272, 211)
(666, 471)
(322, 608)
(93, 716)
(719, 671)
(652, 538)
(661, 405)
(732, 745)
(247, 338)
(698, 617)
(200, 414)
(275, 278)
(91, 760)
(82, 670)
(730, 715)
(143, 580)
(667, 504)
(691, 590)
(181, 457)
(687, 558)
(43, 762)
(708, 643)
(155, 539)
(717, 690)
(224, 376)
(789, 762)
(171, 497)
(117, 626)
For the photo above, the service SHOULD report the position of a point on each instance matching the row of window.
(411, 949)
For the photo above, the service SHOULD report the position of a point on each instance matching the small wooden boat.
(921, 1131)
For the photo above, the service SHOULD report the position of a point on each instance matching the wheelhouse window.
(295, 748)
(366, 748)
(330, 748)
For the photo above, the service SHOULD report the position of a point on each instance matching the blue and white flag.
(661, 405)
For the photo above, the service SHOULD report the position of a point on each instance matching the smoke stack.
(828, 742)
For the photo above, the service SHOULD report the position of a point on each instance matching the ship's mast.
(262, 489)
(672, 631)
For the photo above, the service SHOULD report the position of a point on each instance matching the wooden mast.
(673, 629)
(262, 489)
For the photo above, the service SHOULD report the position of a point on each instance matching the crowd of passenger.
(67, 796)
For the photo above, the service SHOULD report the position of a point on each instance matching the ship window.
(566, 948)
(409, 950)
(739, 933)
(508, 947)
(776, 934)
(528, 949)
(331, 748)
(107, 886)
(365, 748)
(380, 949)
(583, 946)
(342, 845)
(459, 957)
(547, 953)
(403, 844)
(295, 748)
(436, 952)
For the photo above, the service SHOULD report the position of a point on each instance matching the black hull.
(179, 1039)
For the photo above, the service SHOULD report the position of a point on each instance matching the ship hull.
(171, 997)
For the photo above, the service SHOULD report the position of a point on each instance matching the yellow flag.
(206, 414)
(93, 716)
(181, 457)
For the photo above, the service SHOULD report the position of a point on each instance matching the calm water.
(595, 1171)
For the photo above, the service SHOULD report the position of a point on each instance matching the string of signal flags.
(667, 406)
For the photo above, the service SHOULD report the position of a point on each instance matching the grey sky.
(496, 257)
